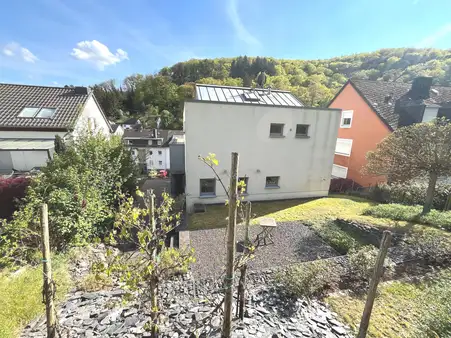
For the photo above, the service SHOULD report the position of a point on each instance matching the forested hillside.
(314, 81)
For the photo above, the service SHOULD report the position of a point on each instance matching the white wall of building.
(31, 134)
(25, 160)
(158, 161)
(303, 164)
(91, 116)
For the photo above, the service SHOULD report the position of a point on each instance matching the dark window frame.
(272, 185)
(211, 181)
(302, 135)
(273, 133)
(160, 152)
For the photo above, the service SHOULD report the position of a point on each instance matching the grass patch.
(402, 309)
(21, 295)
(409, 213)
(321, 209)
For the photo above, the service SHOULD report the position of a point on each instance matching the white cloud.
(241, 31)
(13, 49)
(438, 35)
(98, 54)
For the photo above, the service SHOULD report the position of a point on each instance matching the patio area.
(293, 243)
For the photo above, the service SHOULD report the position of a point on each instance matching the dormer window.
(31, 112)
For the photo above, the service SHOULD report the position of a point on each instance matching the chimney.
(81, 90)
(421, 87)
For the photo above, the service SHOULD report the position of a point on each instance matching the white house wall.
(31, 134)
(91, 115)
(153, 161)
(303, 164)
(25, 160)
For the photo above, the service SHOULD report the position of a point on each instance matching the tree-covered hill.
(315, 82)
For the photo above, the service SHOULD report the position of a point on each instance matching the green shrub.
(435, 304)
(362, 263)
(410, 193)
(337, 238)
(80, 186)
(431, 246)
(311, 278)
(398, 212)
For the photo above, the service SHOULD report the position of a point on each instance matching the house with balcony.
(371, 110)
(286, 149)
(31, 117)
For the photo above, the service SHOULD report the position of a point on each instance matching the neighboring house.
(31, 116)
(371, 110)
(286, 150)
(150, 148)
(116, 129)
(131, 123)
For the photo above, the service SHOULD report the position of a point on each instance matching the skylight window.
(28, 112)
(44, 113)
(252, 97)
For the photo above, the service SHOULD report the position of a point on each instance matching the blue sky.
(81, 42)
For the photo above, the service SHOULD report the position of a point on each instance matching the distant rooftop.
(243, 95)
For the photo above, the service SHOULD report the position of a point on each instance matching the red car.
(162, 173)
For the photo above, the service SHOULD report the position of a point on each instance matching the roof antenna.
(269, 90)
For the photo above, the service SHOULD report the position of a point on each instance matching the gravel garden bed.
(293, 243)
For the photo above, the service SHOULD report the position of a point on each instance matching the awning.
(26, 144)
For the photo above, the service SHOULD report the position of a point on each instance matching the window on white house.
(302, 130)
(245, 180)
(429, 114)
(276, 130)
(160, 162)
(343, 146)
(159, 152)
(339, 171)
(207, 187)
(150, 152)
(46, 113)
(272, 182)
(346, 118)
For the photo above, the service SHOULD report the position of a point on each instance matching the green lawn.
(21, 295)
(399, 306)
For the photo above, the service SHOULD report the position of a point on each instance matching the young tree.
(60, 145)
(417, 151)
(143, 270)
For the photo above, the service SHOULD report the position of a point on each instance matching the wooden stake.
(228, 282)
(153, 285)
(378, 269)
(47, 268)
(242, 282)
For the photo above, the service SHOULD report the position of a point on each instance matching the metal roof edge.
(12, 128)
(260, 105)
(248, 88)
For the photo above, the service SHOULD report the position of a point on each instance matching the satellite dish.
(158, 122)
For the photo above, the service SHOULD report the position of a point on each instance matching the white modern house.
(31, 116)
(286, 150)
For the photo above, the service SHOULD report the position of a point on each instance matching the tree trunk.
(154, 310)
(430, 193)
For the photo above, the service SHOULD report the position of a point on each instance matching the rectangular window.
(302, 130)
(346, 118)
(276, 130)
(150, 152)
(154, 142)
(160, 162)
(207, 187)
(272, 182)
(28, 112)
(46, 113)
(339, 171)
(243, 190)
(343, 147)
(159, 152)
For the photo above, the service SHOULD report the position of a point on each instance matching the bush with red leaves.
(11, 190)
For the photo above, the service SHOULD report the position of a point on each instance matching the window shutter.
(343, 146)
(339, 171)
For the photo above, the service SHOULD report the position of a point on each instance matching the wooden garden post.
(48, 290)
(377, 273)
(228, 282)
